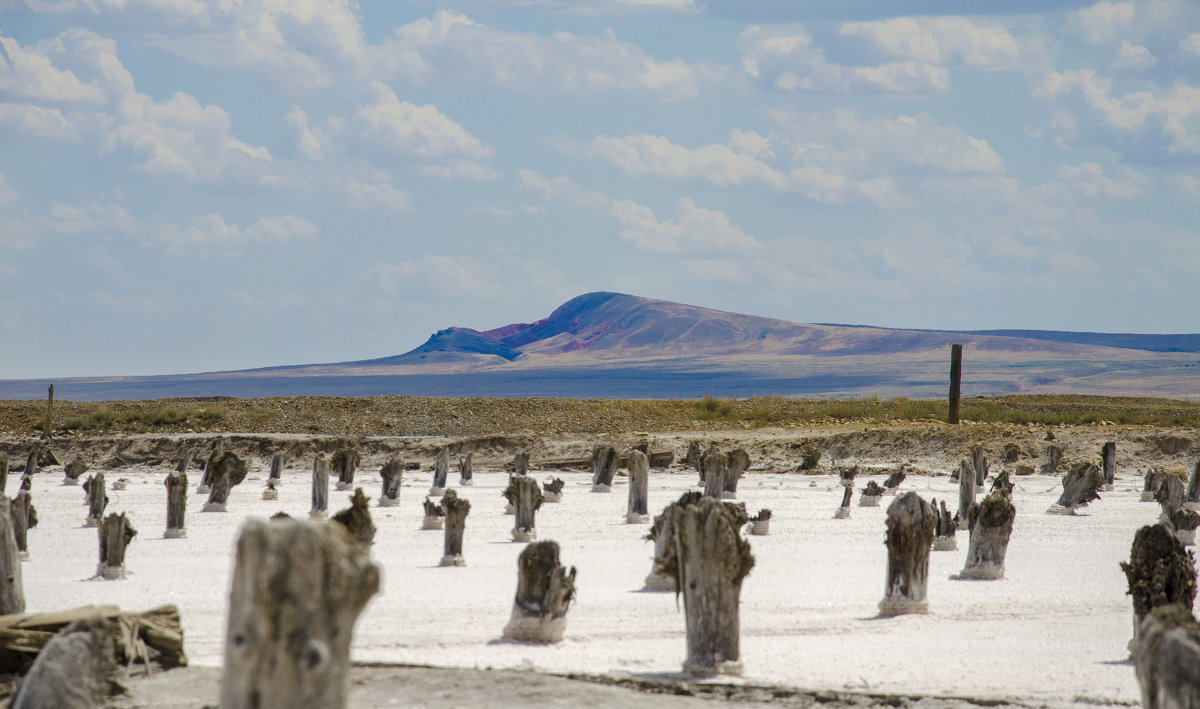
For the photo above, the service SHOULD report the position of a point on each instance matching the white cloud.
(694, 229)
(1088, 180)
(941, 41)
(596, 7)
(642, 155)
(459, 170)
(7, 194)
(309, 141)
(1191, 44)
(30, 74)
(465, 278)
(211, 235)
(415, 130)
(377, 195)
(1188, 185)
(1134, 57)
(1103, 21)
(562, 189)
(38, 121)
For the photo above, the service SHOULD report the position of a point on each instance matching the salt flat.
(1053, 631)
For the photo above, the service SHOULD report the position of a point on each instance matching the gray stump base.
(466, 483)
(120, 485)
(552, 497)
(761, 529)
(536, 629)
(453, 560)
(1060, 510)
(437, 491)
(434, 522)
(727, 495)
(175, 534)
(524, 535)
(318, 514)
(842, 513)
(980, 573)
(92, 522)
(602, 488)
(213, 507)
(111, 573)
(659, 582)
(869, 500)
(1108, 488)
(889, 608)
(733, 669)
(1186, 537)
(637, 519)
(270, 494)
(388, 502)
(945, 544)
(1147, 497)
(70, 481)
(342, 487)
(24, 556)
(203, 490)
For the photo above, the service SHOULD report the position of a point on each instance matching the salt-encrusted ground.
(1052, 632)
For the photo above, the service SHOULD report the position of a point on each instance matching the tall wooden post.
(186, 460)
(527, 498)
(662, 533)
(716, 469)
(392, 472)
(544, 592)
(979, 464)
(605, 462)
(736, 461)
(639, 482)
(955, 381)
(12, 588)
(298, 588)
(1166, 659)
(464, 470)
(345, 462)
(31, 463)
(1108, 454)
(441, 471)
(97, 497)
(966, 492)
(275, 477)
(115, 534)
(48, 422)
(176, 483)
(320, 488)
(3, 473)
(521, 463)
(911, 522)
(223, 474)
(456, 509)
(24, 516)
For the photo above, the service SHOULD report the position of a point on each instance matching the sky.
(197, 186)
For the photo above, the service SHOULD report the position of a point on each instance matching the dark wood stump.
(24, 518)
(73, 471)
(465, 472)
(1166, 659)
(1082, 486)
(357, 518)
(345, 462)
(224, 473)
(1184, 523)
(455, 510)
(97, 499)
(1053, 458)
(12, 588)
(760, 524)
(435, 516)
(662, 534)
(31, 462)
(3, 473)
(176, 483)
(1003, 482)
(843, 512)
(709, 560)
(1150, 484)
(737, 461)
(1192, 494)
(716, 469)
(544, 593)
(298, 588)
(115, 534)
(702, 468)
(526, 497)
(636, 511)
(441, 471)
(604, 468)
(692, 458)
(320, 488)
(911, 522)
(870, 495)
(846, 475)
(1160, 572)
(75, 670)
(1170, 495)
(275, 477)
(979, 464)
(893, 481)
(966, 491)
(186, 460)
(552, 489)
(207, 470)
(392, 473)
(521, 463)
(944, 532)
(991, 526)
(955, 382)
(1108, 456)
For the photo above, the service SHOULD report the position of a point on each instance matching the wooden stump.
(275, 477)
(75, 670)
(176, 483)
(662, 534)
(870, 495)
(966, 491)
(979, 464)
(186, 460)
(737, 461)
(73, 471)
(3, 473)
(1053, 458)
(911, 522)
(945, 529)
(455, 510)
(464, 470)
(115, 534)
(1160, 572)
(709, 560)
(893, 481)
(604, 468)
(392, 472)
(320, 488)
(846, 475)
(1003, 482)
(527, 498)
(1191, 498)
(357, 519)
(97, 499)
(636, 510)
(702, 468)
(434, 515)
(12, 589)
(760, 524)
(955, 382)
(24, 518)
(716, 469)
(1184, 522)
(298, 588)
(843, 512)
(1166, 659)
(270, 492)
(1080, 487)
(345, 462)
(991, 526)
(1150, 484)
(521, 463)
(1108, 456)
(441, 471)
(207, 470)
(223, 474)
(692, 458)
(31, 462)
(552, 489)
(544, 593)
(1170, 495)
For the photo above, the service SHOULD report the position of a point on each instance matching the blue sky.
(197, 186)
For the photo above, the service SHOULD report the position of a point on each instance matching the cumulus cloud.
(29, 73)
(943, 41)
(694, 229)
(1101, 22)
(642, 155)
(1191, 44)
(1088, 180)
(415, 130)
(377, 194)
(1134, 57)
(38, 121)
(309, 141)
(562, 190)
(210, 235)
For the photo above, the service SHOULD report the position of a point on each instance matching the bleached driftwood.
(320, 488)
(12, 589)
(298, 588)
(115, 534)
(97, 499)
(946, 528)
(911, 522)
(223, 474)
(392, 473)
(1080, 487)
(966, 491)
(526, 497)
(74, 670)
(991, 526)
(357, 518)
(636, 510)
(441, 471)
(465, 472)
(544, 593)
(979, 464)
(716, 468)
(455, 510)
(737, 460)
(1160, 572)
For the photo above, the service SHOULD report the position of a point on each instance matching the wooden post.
(544, 593)
(345, 462)
(709, 561)
(1191, 498)
(73, 471)
(31, 462)
(527, 498)
(392, 472)
(911, 522)
(692, 457)
(275, 477)
(3, 473)
(12, 589)
(434, 515)
(737, 461)
(979, 464)
(24, 518)
(662, 533)
(1108, 454)
(966, 491)
(1166, 659)
(702, 466)
(1003, 482)
(1170, 495)
(843, 512)
(521, 463)
(605, 463)
(464, 470)
(441, 470)
(991, 526)
(48, 422)
(955, 381)
(870, 495)
(298, 588)
(1184, 523)
(760, 524)
(357, 519)
(1160, 572)
(716, 469)
(944, 531)
(206, 479)
(552, 489)
(455, 510)
(320, 488)
(1150, 484)
(226, 472)
(895, 478)
(176, 483)
(1053, 458)
(75, 669)
(186, 460)
(639, 482)
(97, 497)
(115, 534)
(1083, 485)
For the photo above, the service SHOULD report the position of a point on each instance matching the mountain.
(615, 345)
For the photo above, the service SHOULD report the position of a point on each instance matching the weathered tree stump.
(810, 457)
(3, 473)
(966, 491)
(846, 475)
(1170, 496)
(441, 471)
(12, 589)
(737, 461)
(605, 462)
(991, 526)
(709, 560)
(1184, 522)
(275, 477)
(435, 516)
(205, 486)
(1108, 457)
(662, 534)
(911, 522)
(552, 489)
(1160, 572)
(97, 499)
(31, 462)
(544, 593)
(270, 492)
(1003, 482)
(455, 510)
(392, 472)
(298, 588)
(702, 467)
(979, 464)
(1053, 458)
(843, 512)
(223, 474)
(1166, 659)
(894, 479)
(26, 483)
(1080, 487)
(871, 495)
(692, 458)
(345, 462)
(75, 670)
(716, 469)
(636, 511)
(176, 483)
(115, 534)
(465, 473)
(760, 524)
(357, 518)
(1150, 484)
(24, 518)
(944, 531)
(527, 498)
(521, 463)
(73, 471)
(320, 488)
(186, 460)
(1191, 498)
(955, 382)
